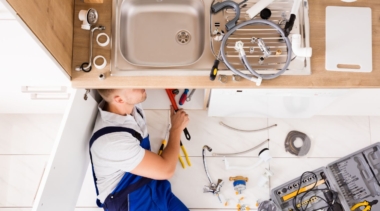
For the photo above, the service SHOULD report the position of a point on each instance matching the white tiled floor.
(375, 129)
(28, 134)
(332, 137)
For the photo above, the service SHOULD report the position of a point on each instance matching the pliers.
(367, 205)
(181, 145)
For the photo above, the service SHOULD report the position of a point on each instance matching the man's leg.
(164, 193)
(174, 204)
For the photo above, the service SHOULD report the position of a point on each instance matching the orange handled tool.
(174, 104)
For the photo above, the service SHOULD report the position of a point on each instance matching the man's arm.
(163, 167)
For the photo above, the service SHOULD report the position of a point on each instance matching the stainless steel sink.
(162, 33)
(174, 37)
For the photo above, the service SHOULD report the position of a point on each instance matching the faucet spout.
(204, 162)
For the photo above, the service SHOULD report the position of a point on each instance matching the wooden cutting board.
(349, 39)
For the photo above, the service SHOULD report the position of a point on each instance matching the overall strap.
(104, 131)
(138, 111)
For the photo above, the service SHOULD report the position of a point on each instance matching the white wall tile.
(28, 133)
(20, 176)
(206, 130)
(375, 129)
(331, 136)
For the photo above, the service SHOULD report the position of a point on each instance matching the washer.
(102, 66)
(104, 43)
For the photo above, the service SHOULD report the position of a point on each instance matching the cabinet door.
(69, 160)
(52, 22)
(276, 103)
(357, 102)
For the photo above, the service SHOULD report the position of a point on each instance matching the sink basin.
(162, 33)
(175, 38)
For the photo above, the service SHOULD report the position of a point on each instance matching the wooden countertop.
(320, 78)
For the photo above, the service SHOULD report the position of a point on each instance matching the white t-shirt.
(116, 153)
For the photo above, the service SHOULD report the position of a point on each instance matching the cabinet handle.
(43, 89)
(49, 96)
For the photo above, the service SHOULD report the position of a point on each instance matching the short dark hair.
(106, 94)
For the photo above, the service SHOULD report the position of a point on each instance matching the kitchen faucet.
(212, 188)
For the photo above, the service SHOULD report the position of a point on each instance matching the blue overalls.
(135, 192)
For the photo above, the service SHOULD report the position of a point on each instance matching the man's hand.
(163, 167)
(179, 119)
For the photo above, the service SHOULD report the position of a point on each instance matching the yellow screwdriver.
(163, 144)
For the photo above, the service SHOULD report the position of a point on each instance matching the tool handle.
(175, 107)
(171, 98)
(186, 155)
(187, 134)
(183, 97)
(181, 161)
(162, 147)
(214, 70)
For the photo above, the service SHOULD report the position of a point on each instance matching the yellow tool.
(181, 145)
(162, 147)
(304, 189)
(309, 201)
(186, 155)
(367, 205)
(164, 141)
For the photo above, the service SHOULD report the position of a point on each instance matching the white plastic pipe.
(83, 17)
(296, 7)
(264, 157)
(256, 8)
(296, 47)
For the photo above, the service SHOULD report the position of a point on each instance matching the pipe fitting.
(227, 4)
(296, 47)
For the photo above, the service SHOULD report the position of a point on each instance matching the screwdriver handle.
(183, 97)
(175, 107)
(214, 70)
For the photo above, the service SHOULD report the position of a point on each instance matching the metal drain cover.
(183, 37)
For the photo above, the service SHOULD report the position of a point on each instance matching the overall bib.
(135, 192)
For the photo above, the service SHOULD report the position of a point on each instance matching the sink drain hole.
(183, 37)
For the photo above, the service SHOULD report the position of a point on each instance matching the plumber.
(127, 175)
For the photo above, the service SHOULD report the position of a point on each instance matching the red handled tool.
(183, 97)
(174, 104)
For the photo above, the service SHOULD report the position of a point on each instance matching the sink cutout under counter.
(173, 38)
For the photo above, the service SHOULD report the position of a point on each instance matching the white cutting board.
(349, 39)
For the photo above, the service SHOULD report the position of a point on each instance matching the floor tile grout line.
(370, 131)
(24, 155)
(250, 156)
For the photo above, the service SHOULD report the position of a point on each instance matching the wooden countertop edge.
(204, 82)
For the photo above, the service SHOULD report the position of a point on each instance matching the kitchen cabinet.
(356, 102)
(294, 103)
(64, 174)
(51, 22)
(271, 103)
(56, 25)
(31, 81)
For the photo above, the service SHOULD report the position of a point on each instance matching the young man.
(128, 176)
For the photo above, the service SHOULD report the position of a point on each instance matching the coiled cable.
(244, 58)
